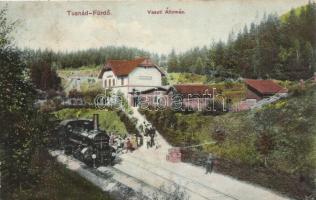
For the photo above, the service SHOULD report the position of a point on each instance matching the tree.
(89, 57)
(309, 57)
(218, 55)
(5, 29)
(277, 47)
(199, 66)
(44, 77)
(23, 129)
(172, 62)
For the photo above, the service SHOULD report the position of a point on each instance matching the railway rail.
(171, 173)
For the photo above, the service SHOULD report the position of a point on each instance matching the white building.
(130, 76)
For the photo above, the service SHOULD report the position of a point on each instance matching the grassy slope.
(81, 71)
(85, 71)
(109, 120)
(58, 183)
(178, 78)
(289, 163)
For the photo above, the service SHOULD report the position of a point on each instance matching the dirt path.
(150, 166)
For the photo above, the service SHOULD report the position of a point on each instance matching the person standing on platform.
(209, 164)
(152, 133)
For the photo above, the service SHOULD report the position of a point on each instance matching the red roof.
(265, 86)
(193, 89)
(251, 95)
(124, 67)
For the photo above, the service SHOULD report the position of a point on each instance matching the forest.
(279, 47)
(89, 57)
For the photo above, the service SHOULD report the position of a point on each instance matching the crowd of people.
(129, 143)
(150, 136)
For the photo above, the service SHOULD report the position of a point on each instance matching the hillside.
(91, 71)
(178, 78)
(57, 182)
(277, 47)
(274, 146)
(297, 11)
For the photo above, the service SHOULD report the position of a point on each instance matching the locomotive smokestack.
(96, 121)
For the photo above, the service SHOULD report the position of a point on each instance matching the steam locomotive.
(83, 139)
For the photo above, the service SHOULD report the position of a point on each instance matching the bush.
(109, 120)
(75, 94)
(129, 123)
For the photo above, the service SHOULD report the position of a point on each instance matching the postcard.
(158, 100)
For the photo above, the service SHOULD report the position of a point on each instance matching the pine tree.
(199, 66)
(172, 62)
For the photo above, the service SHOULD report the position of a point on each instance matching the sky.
(48, 25)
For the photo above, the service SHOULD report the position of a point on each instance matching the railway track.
(155, 180)
(199, 184)
(146, 176)
(129, 181)
(194, 188)
(107, 178)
